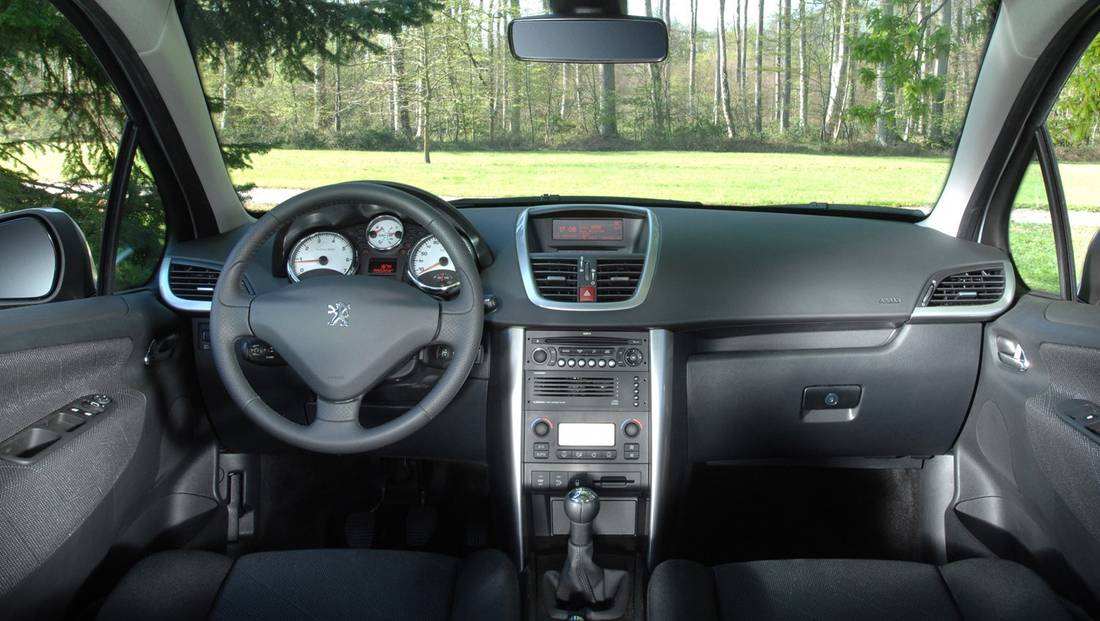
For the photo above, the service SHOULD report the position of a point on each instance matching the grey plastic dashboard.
(728, 267)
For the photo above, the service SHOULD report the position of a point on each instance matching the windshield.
(762, 102)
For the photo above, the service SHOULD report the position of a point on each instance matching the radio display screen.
(586, 434)
(588, 230)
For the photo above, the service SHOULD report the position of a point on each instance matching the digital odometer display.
(588, 230)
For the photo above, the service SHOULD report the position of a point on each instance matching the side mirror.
(44, 257)
(1090, 273)
(583, 39)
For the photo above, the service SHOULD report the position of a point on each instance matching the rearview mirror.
(43, 258)
(614, 39)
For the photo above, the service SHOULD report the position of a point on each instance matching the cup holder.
(28, 443)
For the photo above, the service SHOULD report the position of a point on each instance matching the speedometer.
(321, 251)
(385, 233)
(430, 266)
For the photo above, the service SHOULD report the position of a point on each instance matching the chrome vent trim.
(644, 280)
(192, 282)
(948, 298)
(200, 275)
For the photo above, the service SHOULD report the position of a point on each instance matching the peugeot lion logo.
(339, 315)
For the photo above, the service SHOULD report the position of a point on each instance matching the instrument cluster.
(384, 246)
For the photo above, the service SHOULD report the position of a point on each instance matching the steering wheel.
(345, 334)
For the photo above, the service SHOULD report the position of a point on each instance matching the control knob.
(633, 357)
(539, 355)
(541, 427)
(632, 428)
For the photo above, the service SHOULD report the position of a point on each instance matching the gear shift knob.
(582, 505)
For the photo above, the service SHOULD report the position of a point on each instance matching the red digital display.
(382, 266)
(588, 230)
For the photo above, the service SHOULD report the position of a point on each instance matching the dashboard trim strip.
(514, 383)
(522, 252)
(660, 369)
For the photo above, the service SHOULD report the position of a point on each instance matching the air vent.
(556, 278)
(971, 288)
(574, 387)
(617, 278)
(192, 282)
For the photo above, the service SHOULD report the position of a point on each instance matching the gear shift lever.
(582, 584)
(582, 505)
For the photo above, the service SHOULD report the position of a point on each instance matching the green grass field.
(717, 178)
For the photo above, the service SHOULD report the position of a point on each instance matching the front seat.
(851, 590)
(317, 584)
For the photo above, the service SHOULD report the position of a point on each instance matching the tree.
(693, 34)
(943, 51)
(609, 122)
(803, 83)
(656, 88)
(885, 129)
(838, 74)
(723, 73)
(785, 117)
(758, 121)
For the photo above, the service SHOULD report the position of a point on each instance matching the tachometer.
(385, 233)
(430, 266)
(321, 251)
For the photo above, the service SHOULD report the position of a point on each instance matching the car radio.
(586, 408)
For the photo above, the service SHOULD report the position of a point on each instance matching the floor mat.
(749, 513)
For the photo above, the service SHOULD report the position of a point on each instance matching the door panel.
(1029, 479)
(61, 510)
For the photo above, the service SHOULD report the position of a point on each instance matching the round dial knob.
(539, 355)
(633, 357)
(632, 428)
(541, 427)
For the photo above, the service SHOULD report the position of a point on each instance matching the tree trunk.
(514, 84)
(656, 89)
(399, 116)
(337, 96)
(885, 130)
(942, 58)
(785, 117)
(426, 98)
(226, 89)
(739, 35)
(758, 120)
(609, 126)
(723, 73)
(693, 33)
(837, 75)
(803, 106)
(318, 92)
(744, 49)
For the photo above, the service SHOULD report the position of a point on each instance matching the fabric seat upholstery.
(317, 584)
(851, 590)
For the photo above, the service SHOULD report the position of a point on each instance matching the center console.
(586, 410)
(586, 422)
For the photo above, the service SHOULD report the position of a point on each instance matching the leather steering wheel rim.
(296, 320)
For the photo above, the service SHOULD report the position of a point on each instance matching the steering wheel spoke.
(233, 320)
(337, 411)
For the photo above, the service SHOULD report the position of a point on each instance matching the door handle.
(1011, 354)
(161, 349)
